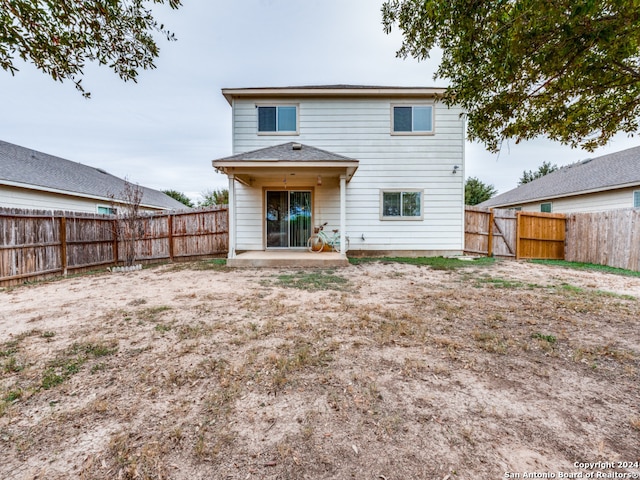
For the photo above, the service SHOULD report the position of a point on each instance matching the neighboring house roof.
(26, 168)
(332, 91)
(609, 172)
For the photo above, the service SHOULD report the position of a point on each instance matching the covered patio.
(277, 195)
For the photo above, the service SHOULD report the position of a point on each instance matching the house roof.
(287, 152)
(339, 90)
(292, 157)
(609, 172)
(26, 168)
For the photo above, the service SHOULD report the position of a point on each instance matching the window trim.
(550, 207)
(416, 218)
(278, 105)
(412, 105)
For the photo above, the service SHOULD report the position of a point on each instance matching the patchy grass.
(499, 282)
(313, 281)
(547, 338)
(588, 266)
(580, 291)
(384, 371)
(436, 263)
(69, 362)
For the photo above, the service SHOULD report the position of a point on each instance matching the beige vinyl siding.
(592, 202)
(361, 129)
(11, 197)
(16, 197)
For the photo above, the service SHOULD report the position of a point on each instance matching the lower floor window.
(545, 207)
(106, 210)
(401, 204)
(636, 199)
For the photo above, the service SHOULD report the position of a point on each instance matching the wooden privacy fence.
(605, 238)
(37, 244)
(516, 234)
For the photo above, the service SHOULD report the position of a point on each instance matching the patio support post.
(232, 217)
(343, 214)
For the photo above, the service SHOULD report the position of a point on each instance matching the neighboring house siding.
(11, 197)
(15, 197)
(361, 129)
(593, 202)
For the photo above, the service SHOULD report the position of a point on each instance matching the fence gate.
(490, 232)
(541, 235)
(503, 235)
(514, 234)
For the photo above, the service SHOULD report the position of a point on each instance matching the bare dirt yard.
(376, 371)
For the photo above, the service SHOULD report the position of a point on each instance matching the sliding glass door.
(288, 218)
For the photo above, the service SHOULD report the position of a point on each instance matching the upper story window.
(412, 119)
(278, 119)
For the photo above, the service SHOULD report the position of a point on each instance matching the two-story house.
(383, 165)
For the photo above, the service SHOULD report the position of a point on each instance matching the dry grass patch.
(380, 370)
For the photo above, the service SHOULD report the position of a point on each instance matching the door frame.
(309, 189)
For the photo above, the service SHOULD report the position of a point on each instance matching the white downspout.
(343, 215)
(232, 216)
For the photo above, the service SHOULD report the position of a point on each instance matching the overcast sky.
(163, 131)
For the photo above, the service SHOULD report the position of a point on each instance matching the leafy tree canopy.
(214, 197)
(476, 191)
(60, 36)
(544, 169)
(566, 69)
(179, 196)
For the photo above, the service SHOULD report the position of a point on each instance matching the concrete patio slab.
(288, 258)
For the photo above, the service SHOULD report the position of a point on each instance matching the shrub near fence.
(38, 244)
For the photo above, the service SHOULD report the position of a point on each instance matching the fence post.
(63, 245)
(170, 227)
(114, 229)
(490, 239)
(518, 232)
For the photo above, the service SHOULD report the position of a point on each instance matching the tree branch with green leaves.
(60, 36)
(566, 70)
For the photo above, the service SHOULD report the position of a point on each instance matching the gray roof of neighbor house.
(20, 166)
(609, 172)
(287, 152)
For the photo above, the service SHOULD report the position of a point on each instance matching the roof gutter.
(395, 92)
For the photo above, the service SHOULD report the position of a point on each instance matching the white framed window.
(277, 119)
(412, 119)
(401, 204)
(546, 207)
(636, 199)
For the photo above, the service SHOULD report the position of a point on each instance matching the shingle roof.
(287, 153)
(337, 90)
(616, 170)
(20, 165)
